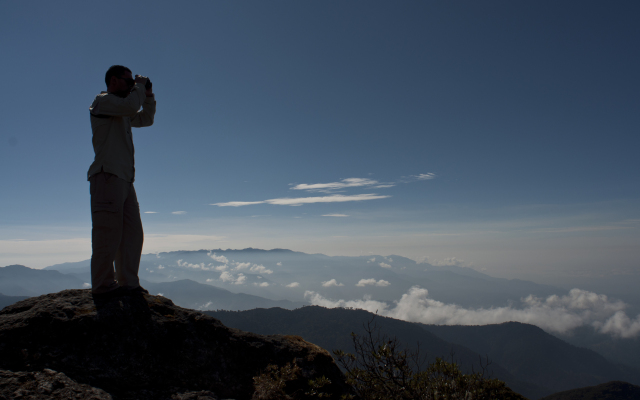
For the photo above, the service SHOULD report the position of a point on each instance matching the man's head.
(119, 80)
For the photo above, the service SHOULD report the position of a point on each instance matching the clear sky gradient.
(501, 135)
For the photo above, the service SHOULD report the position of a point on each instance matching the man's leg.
(130, 249)
(106, 235)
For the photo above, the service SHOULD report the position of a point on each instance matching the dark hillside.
(607, 391)
(331, 329)
(526, 350)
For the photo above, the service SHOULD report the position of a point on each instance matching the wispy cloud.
(287, 201)
(150, 212)
(424, 177)
(335, 215)
(293, 284)
(331, 283)
(385, 265)
(178, 212)
(372, 282)
(345, 183)
(261, 284)
(329, 188)
(419, 177)
(559, 314)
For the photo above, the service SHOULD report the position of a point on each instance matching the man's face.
(124, 84)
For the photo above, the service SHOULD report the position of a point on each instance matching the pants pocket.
(104, 206)
(104, 191)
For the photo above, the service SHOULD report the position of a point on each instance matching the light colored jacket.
(111, 120)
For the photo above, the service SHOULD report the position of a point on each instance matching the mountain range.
(252, 278)
(287, 274)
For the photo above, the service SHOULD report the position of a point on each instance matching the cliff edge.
(143, 347)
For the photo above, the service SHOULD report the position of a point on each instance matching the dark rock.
(47, 384)
(145, 347)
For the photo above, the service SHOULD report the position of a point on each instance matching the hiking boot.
(112, 294)
(137, 290)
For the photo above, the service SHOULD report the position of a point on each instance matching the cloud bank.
(558, 314)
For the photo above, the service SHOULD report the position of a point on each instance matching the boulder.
(145, 347)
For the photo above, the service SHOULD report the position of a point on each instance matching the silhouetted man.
(117, 234)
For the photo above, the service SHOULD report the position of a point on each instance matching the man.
(117, 234)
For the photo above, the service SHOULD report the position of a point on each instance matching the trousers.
(116, 234)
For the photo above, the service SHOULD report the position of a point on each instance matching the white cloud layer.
(331, 283)
(372, 282)
(335, 215)
(293, 284)
(201, 266)
(559, 314)
(178, 212)
(227, 277)
(298, 201)
(260, 269)
(221, 259)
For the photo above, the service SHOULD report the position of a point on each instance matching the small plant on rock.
(275, 384)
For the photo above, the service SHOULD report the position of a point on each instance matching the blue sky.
(501, 135)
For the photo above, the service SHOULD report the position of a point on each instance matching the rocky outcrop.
(145, 347)
(47, 384)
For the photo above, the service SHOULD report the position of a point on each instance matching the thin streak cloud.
(345, 183)
(298, 201)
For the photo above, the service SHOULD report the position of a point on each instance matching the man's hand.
(143, 81)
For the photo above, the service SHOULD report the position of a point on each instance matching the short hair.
(115, 70)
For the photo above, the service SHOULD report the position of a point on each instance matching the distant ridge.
(189, 294)
(8, 300)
